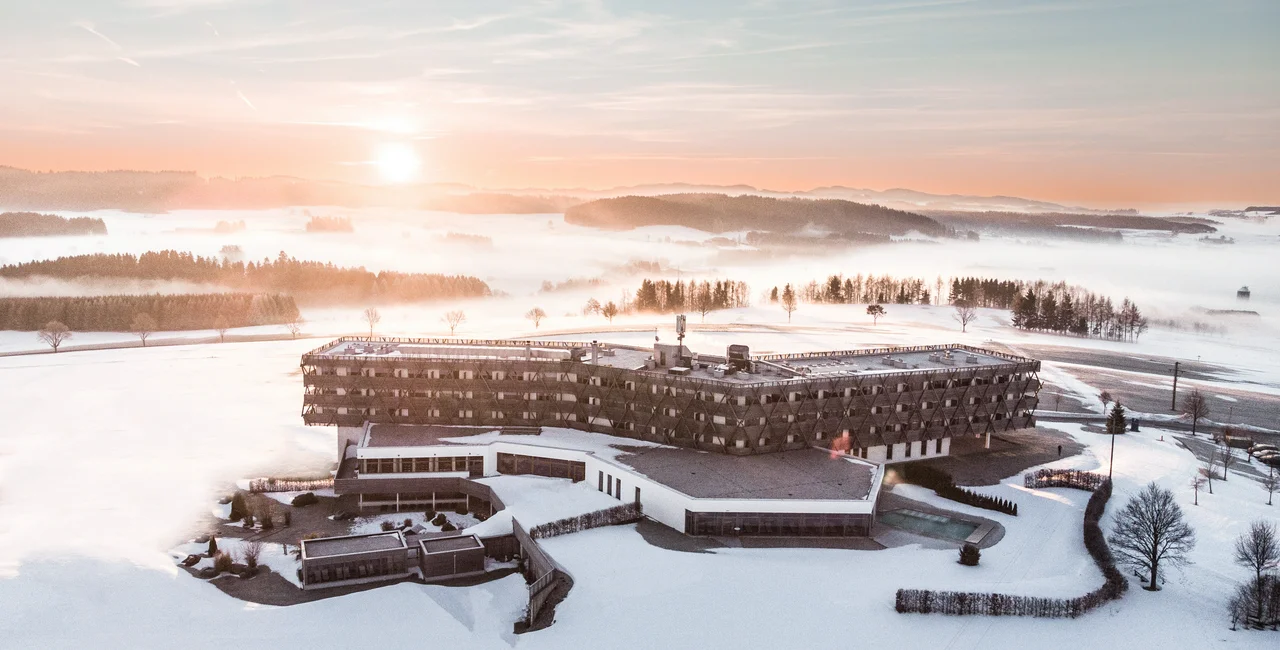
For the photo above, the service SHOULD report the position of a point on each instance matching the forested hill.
(307, 281)
(34, 224)
(721, 213)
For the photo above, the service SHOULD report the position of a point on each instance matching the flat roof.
(798, 474)
(331, 546)
(448, 544)
(419, 435)
(770, 368)
(821, 364)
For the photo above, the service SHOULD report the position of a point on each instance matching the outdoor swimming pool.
(927, 523)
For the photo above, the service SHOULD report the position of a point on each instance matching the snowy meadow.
(109, 459)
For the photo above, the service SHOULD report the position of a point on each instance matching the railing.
(889, 351)
(540, 564)
(1013, 360)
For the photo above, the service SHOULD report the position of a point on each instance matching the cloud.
(129, 61)
(88, 27)
(245, 100)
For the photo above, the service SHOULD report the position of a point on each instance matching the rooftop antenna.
(679, 333)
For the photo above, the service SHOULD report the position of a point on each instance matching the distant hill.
(137, 191)
(34, 224)
(1037, 223)
(721, 213)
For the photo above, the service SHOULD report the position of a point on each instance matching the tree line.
(666, 297)
(1056, 307)
(316, 281)
(167, 312)
(35, 224)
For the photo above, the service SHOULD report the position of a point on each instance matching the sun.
(397, 163)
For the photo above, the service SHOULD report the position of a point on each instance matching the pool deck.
(987, 534)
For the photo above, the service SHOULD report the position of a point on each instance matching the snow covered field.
(110, 458)
(116, 454)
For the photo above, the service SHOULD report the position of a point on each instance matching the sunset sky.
(1101, 103)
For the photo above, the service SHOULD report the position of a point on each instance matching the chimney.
(595, 352)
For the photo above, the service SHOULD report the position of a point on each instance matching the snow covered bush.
(1068, 478)
(969, 555)
(623, 514)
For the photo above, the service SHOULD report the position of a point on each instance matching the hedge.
(942, 483)
(924, 601)
(623, 514)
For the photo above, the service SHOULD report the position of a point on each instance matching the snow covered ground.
(109, 459)
(116, 454)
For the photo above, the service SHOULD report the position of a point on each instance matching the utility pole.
(1173, 405)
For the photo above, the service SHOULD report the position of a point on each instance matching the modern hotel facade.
(884, 405)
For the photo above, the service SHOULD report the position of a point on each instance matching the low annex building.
(884, 405)
(798, 493)
(354, 559)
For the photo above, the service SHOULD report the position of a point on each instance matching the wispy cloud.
(245, 99)
(88, 27)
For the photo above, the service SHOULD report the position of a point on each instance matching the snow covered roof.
(349, 544)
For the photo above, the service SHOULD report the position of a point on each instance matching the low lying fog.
(1164, 274)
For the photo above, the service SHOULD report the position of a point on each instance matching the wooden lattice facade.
(853, 412)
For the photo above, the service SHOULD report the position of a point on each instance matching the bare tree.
(702, 302)
(1209, 469)
(965, 313)
(453, 319)
(1150, 530)
(1270, 483)
(372, 317)
(536, 315)
(789, 302)
(54, 333)
(295, 325)
(1195, 405)
(143, 325)
(251, 551)
(609, 311)
(1259, 550)
(1226, 458)
(592, 307)
(221, 325)
(1197, 482)
(1105, 398)
(875, 312)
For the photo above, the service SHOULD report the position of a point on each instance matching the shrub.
(388, 526)
(251, 552)
(288, 518)
(969, 555)
(448, 527)
(248, 520)
(238, 508)
(439, 520)
(461, 509)
(408, 523)
(305, 499)
(213, 547)
(430, 514)
(621, 514)
(222, 562)
(945, 487)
